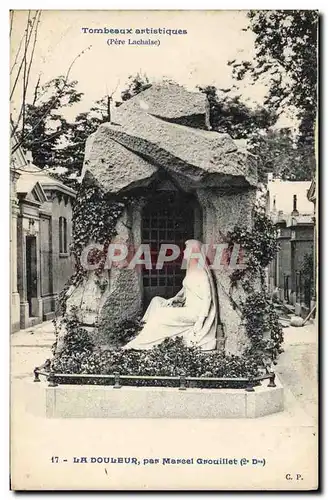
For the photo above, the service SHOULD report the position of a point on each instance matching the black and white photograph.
(164, 250)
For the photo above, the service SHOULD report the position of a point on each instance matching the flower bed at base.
(172, 358)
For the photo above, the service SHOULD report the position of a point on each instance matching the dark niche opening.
(169, 216)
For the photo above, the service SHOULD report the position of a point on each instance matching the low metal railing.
(247, 383)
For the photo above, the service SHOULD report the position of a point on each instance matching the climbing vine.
(95, 215)
(257, 310)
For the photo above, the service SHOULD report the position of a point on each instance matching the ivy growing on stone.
(259, 315)
(95, 215)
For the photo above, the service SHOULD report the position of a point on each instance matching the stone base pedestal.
(87, 401)
(15, 312)
(49, 316)
(25, 319)
(24, 315)
(37, 307)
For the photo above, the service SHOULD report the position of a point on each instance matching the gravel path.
(298, 366)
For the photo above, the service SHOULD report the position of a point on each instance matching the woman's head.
(194, 254)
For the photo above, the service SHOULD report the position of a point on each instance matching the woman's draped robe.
(196, 321)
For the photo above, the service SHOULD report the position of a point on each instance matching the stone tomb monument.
(188, 182)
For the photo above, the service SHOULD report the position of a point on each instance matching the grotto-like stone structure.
(159, 144)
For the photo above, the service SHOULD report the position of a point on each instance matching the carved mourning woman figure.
(196, 318)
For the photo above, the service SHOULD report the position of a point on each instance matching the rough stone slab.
(145, 136)
(166, 100)
(68, 401)
(113, 166)
(128, 156)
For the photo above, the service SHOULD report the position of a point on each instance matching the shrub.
(121, 332)
(76, 340)
(171, 358)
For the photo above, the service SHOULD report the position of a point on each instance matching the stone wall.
(222, 211)
(116, 295)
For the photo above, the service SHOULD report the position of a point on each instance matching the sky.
(197, 58)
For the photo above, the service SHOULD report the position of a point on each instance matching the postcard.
(164, 305)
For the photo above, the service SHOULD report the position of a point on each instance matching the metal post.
(250, 386)
(47, 364)
(272, 380)
(51, 380)
(117, 384)
(183, 383)
(36, 375)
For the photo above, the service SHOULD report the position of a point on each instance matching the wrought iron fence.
(183, 382)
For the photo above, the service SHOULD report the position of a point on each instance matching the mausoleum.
(186, 181)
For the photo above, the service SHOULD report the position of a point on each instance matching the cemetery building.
(41, 229)
(292, 213)
(312, 196)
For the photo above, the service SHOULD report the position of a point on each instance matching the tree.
(277, 150)
(21, 67)
(278, 153)
(55, 143)
(62, 89)
(45, 126)
(230, 115)
(136, 84)
(71, 155)
(286, 55)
